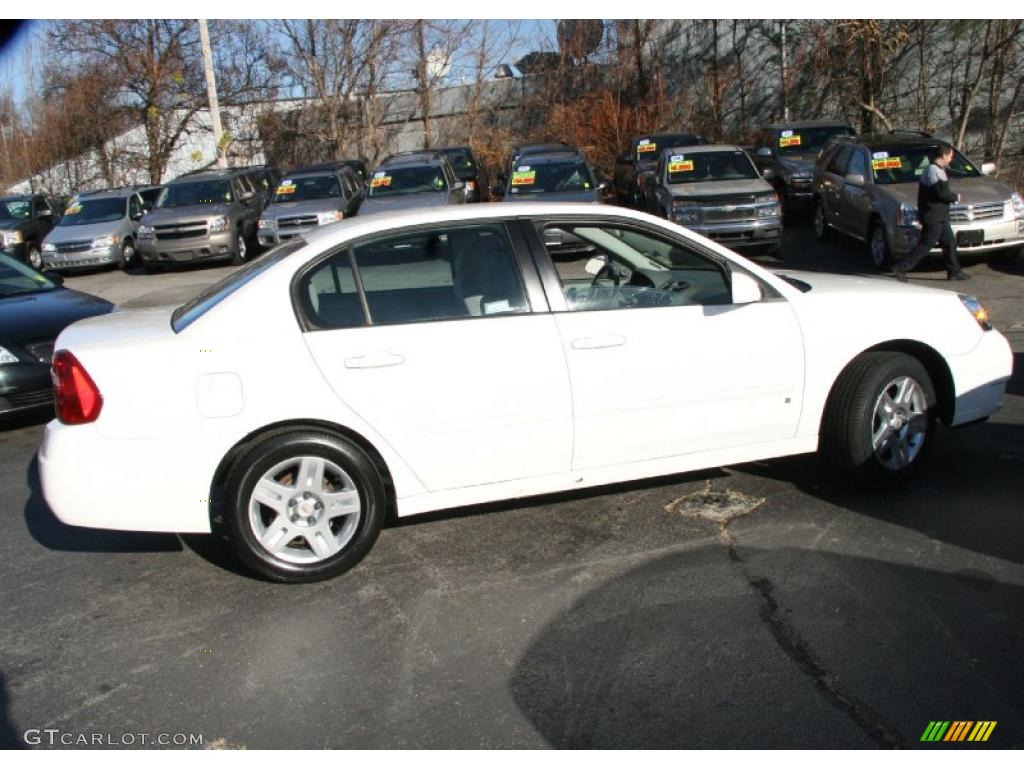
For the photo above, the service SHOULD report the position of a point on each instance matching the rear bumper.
(980, 378)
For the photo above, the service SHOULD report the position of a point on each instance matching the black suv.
(24, 221)
(642, 158)
(785, 155)
(466, 168)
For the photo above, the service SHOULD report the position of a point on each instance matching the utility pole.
(785, 95)
(211, 92)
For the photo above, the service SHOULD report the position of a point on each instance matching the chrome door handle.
(600, 341)
(375, 360)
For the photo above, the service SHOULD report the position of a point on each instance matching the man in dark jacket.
(933, 199)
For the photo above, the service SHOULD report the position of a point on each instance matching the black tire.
(879, 253)
(250, 468)
(239, 249)
(33, 256)
(849, 420)
(129, 256)
(819, 223)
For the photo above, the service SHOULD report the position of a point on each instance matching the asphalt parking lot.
(750, 606)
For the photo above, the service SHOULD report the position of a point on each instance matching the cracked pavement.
(750, 606)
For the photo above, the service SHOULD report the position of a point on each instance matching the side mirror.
(458, 185)
(765, 152)
(989, 169)
(247, 196)
(54, 276)
(767, 174)
(602, 186)
(44, 213)
(595, 266)
(138, 215)
(745, 289)
(857, 179)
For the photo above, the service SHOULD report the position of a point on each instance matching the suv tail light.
(76, 396)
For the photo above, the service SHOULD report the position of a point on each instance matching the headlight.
(1018, 205)
(13, 237)
(219, 224)
(6, 357)
(470, 186)
(686, 213)
(145, 232)
(49, 248)
(104, 242)
(265, 224)
(906, 216)
(977, 311)
(768, 207)
(329, 217)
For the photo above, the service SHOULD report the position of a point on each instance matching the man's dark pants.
(934, 232)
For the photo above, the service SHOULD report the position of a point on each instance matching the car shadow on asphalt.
(50, 532)
(10, 737)
(33, 417)
(775, 648)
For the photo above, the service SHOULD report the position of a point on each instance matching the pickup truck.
(24, 221)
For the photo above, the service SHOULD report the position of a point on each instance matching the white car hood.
(849, 285)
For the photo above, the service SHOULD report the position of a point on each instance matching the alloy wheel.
(899, 423)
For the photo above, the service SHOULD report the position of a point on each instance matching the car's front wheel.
(239, 249)
(821, 228)
(34, 257)
(129, 257)
(304, 506)
(880, 418)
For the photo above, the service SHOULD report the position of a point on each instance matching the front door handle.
(375, 360)
(599, 341)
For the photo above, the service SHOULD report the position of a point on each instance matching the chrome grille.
(180, 231)
(961, 213)
(732, 208)
(76, 246)
(297, 221)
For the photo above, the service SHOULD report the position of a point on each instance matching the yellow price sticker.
(647, 148)
(680, 166)
(73, 209)
(523, 178)
(380, 181)
(286, 189)
(882, 163)
(789, 141)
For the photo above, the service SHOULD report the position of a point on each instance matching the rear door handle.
(599, 341)
(375, 360)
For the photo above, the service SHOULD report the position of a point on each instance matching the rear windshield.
(195, 308)
(902, 165)
(569, 176)
(710, 166)
(792, 140)
(307, 188)
(94, 211)
(407, 181)
(196, 193)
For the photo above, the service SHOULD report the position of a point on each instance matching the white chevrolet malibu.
(430, 360)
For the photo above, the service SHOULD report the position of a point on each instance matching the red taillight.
(75, 394)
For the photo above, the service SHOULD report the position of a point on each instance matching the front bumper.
(24, 385)
(998, 235)
(798, 192)
(271, 237)
(82, 259)
(980, 378)
(742, 234)
(166, 251)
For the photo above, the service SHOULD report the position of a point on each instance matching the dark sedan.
(34, 309)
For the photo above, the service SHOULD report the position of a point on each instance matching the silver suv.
(201, 216)
(97, 229)
(867, 188)
(716, 191)
(310, 197)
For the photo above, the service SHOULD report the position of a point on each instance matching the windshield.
(307, 188)
(904, 165)
(207, 299)
(710, 166)
(407, 181)
(17, 278)
(196, 193)
(793, 140)
(647, 149)
(461, 160)
(569, 176)
(94, 211)
(15, 209)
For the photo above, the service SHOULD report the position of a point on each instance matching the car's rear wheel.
(34, 257)
(878, 245)
(304, 506)
(822, 231)
(880, 418)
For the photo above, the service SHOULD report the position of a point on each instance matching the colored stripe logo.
(958, 730)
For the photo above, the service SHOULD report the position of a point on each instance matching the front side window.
(857, 164)
(307, 188)
(196, 193)
(93, 211)
(135, 208)
(439, 274)
(15, 209)
(733, 165)
(407, 181)
(840, 158)
(905, 164)
(604, 267)
(568, 176)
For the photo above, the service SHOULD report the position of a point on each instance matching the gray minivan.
(310, 197)
(97, 229)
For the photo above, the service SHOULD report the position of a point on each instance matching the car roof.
(656, 136)
(210, 174)
(807, 124)
(100, 194)
(522, 149)
(897, 139)
(552, 156)
(698, 149)
(17, 198)
(331, 165)
(413, 159)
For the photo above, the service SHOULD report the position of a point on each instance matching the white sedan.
(422, 361)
